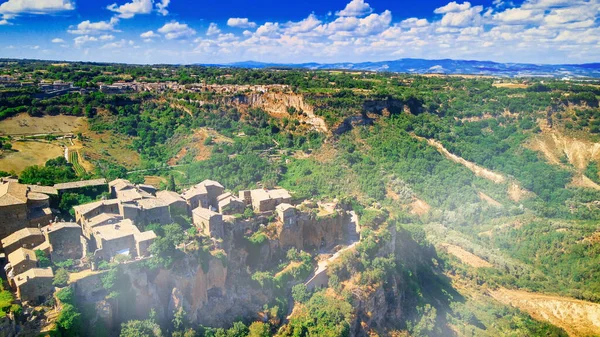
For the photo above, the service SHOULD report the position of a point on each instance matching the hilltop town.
(115, 229)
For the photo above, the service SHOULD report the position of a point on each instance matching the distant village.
(49, 89)
(112, 227)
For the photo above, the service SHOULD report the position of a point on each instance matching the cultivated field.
(23, 124)
(29, 153)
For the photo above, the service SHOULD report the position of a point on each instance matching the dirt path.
(466, 257)
(489, 200)
(478, 170)
(578, 318)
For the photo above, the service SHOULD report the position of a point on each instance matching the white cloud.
(115, 45)
(161, 7)
(81, 40)
(13, 8)
(107, 37)
(453, 7)
(57, 40)
(462, 18)
(519, 16)
(130, 9)
(304, 26)
(213, 29)
(269, 29)
(355, 8)
(240, 23)
(149, 35)
(176, 30)
(100, 27)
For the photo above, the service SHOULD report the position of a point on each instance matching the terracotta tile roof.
(19, 235)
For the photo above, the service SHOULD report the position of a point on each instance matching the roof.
(151, 203)
(43, 189)
(19, 235)
(53, 227)
(12, 193)
(259, 195)
(145, 236)
(33, 273)
(120, 183)
(84, 209)
(279, 193)
(169, 197)
(20, 255)
(80, 184)
(116, 231)
(45, 246)
(194, 191)
(204, 213)
(130, 194)
(224, 196)
(212, 183)
(284, 207)
(104, 219)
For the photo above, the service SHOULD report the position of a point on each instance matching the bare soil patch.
(23, 124)
(466, 257)
(583, 181)
(510, 85)
(578, 318)
(154, 180)
(419, 207)
(557, 147)
(489, 200)
(29, 153)
(516, 193)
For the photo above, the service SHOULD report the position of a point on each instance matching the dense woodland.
(386, 154)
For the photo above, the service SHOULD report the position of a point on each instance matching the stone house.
(64, 239)
(203, 194)
(123, 238)
(21, 207)
(230, 204)
(177, 205)
(83, 213)
(264, 200)
(286, 213)
(210, 223)
(34, 285)
(21, 260)
(23, 238)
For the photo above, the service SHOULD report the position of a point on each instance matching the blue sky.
(210, 31)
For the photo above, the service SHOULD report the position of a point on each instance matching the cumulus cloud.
(149, 35)
(57, 40)
(519, 16)
(131, 9)
(304, 26)
(355, 8)
(269, 29)
(176, 30)
(213, 29)
(453, 7)
(81, 40)
(240, 23)
(161, 7)
(106, 37)
(100, 27)
(13, 8)
(461, 16)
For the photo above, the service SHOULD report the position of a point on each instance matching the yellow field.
(23, 124)
(29, 153)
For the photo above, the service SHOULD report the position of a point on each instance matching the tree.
(69, 321)
(238, 329)
(43, 260)
(171, 184)
(259, 329)
(300, 293)
(145, 328)
(61, 277)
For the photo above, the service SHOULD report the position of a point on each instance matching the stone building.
(82, 186)
(286, 213)
(203, 194)
(121, 238)
(34, 285)
(21, 207)
(124, 190)
(84, 213)
(23, 238)
(210, 223)
(230, 204)
(64, 239)
(20, 261)
(263, 200)
(177, 205)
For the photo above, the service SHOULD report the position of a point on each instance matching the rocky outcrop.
(312, 231)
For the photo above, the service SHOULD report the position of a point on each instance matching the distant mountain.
(446, 66)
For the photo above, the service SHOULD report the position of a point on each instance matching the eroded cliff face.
(278, 104)
(313, 232)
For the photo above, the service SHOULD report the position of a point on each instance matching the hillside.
(477, 198)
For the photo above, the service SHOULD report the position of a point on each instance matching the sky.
(326, 31)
